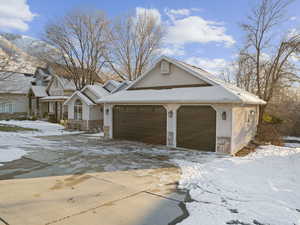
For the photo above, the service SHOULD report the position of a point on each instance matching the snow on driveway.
(12, 143)
(260, 189)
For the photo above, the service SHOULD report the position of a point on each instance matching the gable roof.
(15, 83)
(39, 91)
(83, 97)
(67, 84)
(219, 92)
(114, 83)
(97, 90)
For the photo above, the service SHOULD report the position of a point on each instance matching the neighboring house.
(83, 112)
(13, 94)
(42, 78)
(180, 105)
(58, 91)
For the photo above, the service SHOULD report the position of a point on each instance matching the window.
(78, 110)
(165, 67)
(6, 108)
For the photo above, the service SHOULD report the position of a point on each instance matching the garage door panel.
(196, 127)
(140, 123)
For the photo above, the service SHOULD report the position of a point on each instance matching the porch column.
(30, 105)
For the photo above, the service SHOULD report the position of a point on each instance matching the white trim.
(175, 63)
(213, 81)
(85, 99)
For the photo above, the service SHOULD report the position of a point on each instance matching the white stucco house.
(83, 111)
(180, 105)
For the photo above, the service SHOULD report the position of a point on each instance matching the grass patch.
(13, 128)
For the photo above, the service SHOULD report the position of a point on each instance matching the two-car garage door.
(196, 125)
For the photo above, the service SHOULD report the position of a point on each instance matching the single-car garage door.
(145, 123)
(196, 127)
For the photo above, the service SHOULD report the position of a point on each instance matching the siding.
(20, 102)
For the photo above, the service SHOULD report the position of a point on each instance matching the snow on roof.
(15, 83)
(84, 98)
(219, 92)
(54, 98)
(98, 90)
(210, 94)
(122, 86)
(114, 83)
(39, 91)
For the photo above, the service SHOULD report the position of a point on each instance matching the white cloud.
(214, 66)
(152, 11)
(195, 29)
(292, 32)
(182, 27)
(293, 18)
(15, 14)
(175, 12)
(173, 50)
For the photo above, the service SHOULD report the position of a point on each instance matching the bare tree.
(264, 63)
(135, 40)
(80, 44)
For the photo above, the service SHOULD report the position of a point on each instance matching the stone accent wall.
(85, 125)
(223, 145)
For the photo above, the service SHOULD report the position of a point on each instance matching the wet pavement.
(83, 153)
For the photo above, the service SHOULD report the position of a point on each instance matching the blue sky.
(201, 32)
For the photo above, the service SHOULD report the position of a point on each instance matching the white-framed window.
(78, 110)
(7, 107)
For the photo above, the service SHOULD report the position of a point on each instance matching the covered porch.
(56, 110)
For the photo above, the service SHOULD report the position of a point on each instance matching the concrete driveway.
(137, 197)
(84, 153)
(82, 179)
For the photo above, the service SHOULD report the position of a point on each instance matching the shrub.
(269, 133)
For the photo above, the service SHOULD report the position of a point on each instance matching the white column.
(107, 121)
(171, 124)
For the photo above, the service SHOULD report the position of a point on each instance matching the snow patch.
(13, 143)
(262, 188)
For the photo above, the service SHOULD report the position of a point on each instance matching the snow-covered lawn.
(12, 143)
(260, 189)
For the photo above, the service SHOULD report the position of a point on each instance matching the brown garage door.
(140, 123)
(196, 127)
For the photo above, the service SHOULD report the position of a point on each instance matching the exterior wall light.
(107, 111)
(224, 115)
(170, 114)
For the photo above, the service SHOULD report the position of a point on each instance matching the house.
(13, 94)
(42, 78)
(83, 111)
(180, 105)
(58, 91)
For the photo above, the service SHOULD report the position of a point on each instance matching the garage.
(196, 127)
(146, 123)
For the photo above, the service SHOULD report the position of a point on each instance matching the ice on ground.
(262, 188)
(95, 135)
(10, 154)
(13, 143)
(44, 128)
